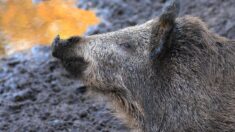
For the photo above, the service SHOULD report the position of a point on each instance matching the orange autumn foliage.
(25, 24)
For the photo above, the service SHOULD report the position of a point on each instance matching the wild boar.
(168, 74)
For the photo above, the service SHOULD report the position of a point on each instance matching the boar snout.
(67, 51)
(62, 49)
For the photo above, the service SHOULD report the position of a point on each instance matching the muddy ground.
(37, 95)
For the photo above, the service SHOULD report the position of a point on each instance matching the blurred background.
(36, 93)
(24, 23)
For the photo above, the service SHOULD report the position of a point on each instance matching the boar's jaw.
(75, 66)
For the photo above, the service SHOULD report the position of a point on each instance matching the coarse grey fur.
(168, 74)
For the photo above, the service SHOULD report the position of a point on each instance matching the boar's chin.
(75, 66)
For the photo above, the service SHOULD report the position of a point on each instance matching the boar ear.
(162, 29)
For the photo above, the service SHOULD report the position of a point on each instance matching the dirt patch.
(116, 14)
(36, 94)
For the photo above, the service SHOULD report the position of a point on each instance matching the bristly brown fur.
(190, 87)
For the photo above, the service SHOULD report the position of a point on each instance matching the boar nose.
(61, 48)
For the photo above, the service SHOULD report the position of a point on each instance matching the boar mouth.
(75, 65)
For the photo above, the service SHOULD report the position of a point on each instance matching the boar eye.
(125, 45)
